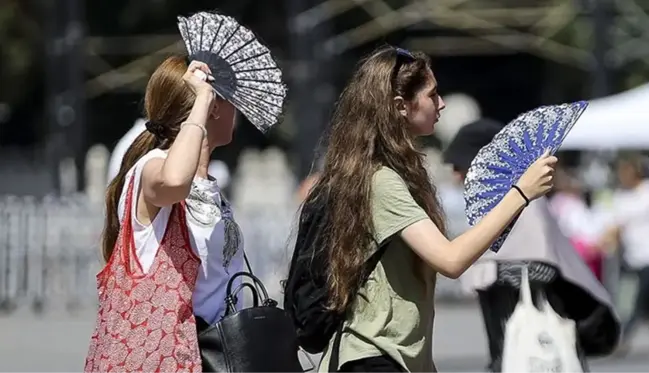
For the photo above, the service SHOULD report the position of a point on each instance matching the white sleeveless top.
(214, 236)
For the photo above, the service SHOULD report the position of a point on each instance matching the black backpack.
(305, 289)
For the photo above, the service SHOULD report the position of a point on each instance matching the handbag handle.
(231, 299)
(266, 301)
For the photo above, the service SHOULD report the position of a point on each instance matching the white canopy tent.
(619, 121)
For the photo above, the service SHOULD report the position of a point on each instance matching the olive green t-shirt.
(393, 312)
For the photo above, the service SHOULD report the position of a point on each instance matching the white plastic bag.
(538, 340)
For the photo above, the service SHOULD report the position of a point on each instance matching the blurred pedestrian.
(629, 231)
(122, 147)
(217, 168)
(577, 221)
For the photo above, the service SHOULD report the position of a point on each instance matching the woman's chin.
(426, 131)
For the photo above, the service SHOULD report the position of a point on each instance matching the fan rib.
(200, 40)
(253, 114)
(255, 107)
(227, 40)
(216, 35)
(249, 58)
(240, 48)
(259, 69)
(191, 49)
(254, 102)
(256, 80)
(257, 98)
(261, 90)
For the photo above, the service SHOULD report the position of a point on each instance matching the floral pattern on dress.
(145, 322)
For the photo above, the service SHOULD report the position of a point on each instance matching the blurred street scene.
(73, 75)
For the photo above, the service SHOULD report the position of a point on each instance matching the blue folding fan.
(500, 164)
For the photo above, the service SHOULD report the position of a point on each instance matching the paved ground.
(619, 368)
(58, 342)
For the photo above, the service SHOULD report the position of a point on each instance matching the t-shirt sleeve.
(393, 207)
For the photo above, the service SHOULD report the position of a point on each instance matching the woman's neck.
(204, 160)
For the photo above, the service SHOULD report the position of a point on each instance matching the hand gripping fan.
(243, 69)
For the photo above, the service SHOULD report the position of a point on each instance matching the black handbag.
(261, 338)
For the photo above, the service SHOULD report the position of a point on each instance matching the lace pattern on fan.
(501, 163)
(244, 70)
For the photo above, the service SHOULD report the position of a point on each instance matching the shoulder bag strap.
(226, 203)
(335, 349)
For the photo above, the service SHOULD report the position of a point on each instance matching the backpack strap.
(335, 350)
(370, 265)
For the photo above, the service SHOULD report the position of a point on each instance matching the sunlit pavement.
(57, 342)
(621, 367)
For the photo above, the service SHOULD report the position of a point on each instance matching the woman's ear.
(215, 109)
(400, 105)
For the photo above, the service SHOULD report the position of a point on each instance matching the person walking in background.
(577, 221)
(555, 268)
(122, 147)
(217, 168)
(629, 231)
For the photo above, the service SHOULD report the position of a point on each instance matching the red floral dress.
(146, 322)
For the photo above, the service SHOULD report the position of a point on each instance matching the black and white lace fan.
(244, 70)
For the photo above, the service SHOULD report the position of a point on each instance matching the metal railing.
(49, 250)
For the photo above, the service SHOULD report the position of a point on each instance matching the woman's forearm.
(452, 258)
(468, 247)
(182, 161)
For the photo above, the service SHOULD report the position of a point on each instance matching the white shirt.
(452, 199)
(631, 214)
(576, 219)
(213, 233)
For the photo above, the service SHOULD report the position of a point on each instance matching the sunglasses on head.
(404, 53)
(403, 56)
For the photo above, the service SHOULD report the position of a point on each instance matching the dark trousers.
(641, 307)
(372, 364)
(497, 303)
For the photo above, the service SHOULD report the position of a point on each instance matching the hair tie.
(520, 191)
(156, 129)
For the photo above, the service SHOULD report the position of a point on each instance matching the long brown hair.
(167, 103)
(367, 132)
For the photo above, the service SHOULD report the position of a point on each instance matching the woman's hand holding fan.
(197, 76)
(538, 178)
(518, 159)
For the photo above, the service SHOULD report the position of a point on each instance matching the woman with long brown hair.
(380, 195)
